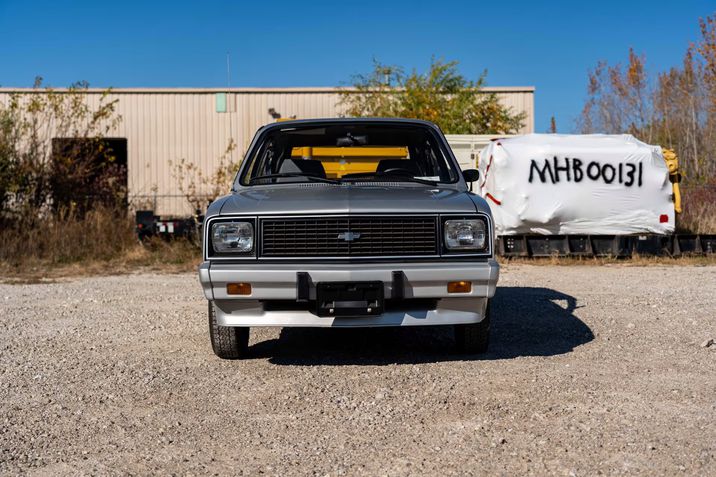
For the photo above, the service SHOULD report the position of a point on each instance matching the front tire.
(473, 338)
(228, 342)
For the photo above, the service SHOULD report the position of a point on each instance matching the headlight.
(232, 237)
(465, 234)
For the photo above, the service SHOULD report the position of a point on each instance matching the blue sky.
(275, 43)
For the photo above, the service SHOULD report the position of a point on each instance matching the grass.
(155, 256)
(104, 242)
(180, 256)
(101, 234)
(634, 261)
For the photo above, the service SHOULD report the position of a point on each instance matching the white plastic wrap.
(554, 184)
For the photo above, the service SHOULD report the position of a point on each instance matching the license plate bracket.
(349, 298)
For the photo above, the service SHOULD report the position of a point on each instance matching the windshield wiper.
(392, 176)
(293, 174)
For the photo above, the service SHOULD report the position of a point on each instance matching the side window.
(263, 160)
(430, 159)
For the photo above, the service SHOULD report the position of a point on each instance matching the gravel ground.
(591, 370)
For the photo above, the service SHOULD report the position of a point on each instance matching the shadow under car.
(525, 321)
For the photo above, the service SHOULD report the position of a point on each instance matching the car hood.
(332, 199)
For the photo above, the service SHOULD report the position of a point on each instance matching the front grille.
(326, 236)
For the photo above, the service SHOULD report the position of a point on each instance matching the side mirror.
(471, 175)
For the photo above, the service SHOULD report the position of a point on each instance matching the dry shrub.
(52, 153)
(201, 189)
(172, 255)
(101, 234)
(699, 215)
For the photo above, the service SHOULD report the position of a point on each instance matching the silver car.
(349, 223)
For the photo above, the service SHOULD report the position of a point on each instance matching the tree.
(675, 109)
(617, 98)
(707, 49)
(441, 95)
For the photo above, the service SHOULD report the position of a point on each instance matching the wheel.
(228, 342)
(473, 338)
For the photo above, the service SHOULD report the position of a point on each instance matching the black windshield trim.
(390, 177)
(281, 175)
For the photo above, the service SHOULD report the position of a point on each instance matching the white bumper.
(280, 282)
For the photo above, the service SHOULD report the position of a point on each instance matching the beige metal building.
(161, 126)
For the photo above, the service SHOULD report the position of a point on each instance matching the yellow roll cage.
(339, 161)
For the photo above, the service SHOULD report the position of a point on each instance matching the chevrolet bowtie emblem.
(349, 236)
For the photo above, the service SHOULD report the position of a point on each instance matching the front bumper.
(280, 282)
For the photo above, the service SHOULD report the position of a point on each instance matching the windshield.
(342, 153)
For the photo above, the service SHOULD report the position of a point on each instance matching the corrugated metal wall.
(164, 126)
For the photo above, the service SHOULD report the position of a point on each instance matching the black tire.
(228, 342)
(473, 338)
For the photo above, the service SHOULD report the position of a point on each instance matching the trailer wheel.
(228, 342)
(473, 338)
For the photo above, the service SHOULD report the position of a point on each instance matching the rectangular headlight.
(236, 237)
(465, 234)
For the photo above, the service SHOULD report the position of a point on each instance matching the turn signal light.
(238, 288)
(459, 287)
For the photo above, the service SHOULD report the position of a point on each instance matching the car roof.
(337, 121)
